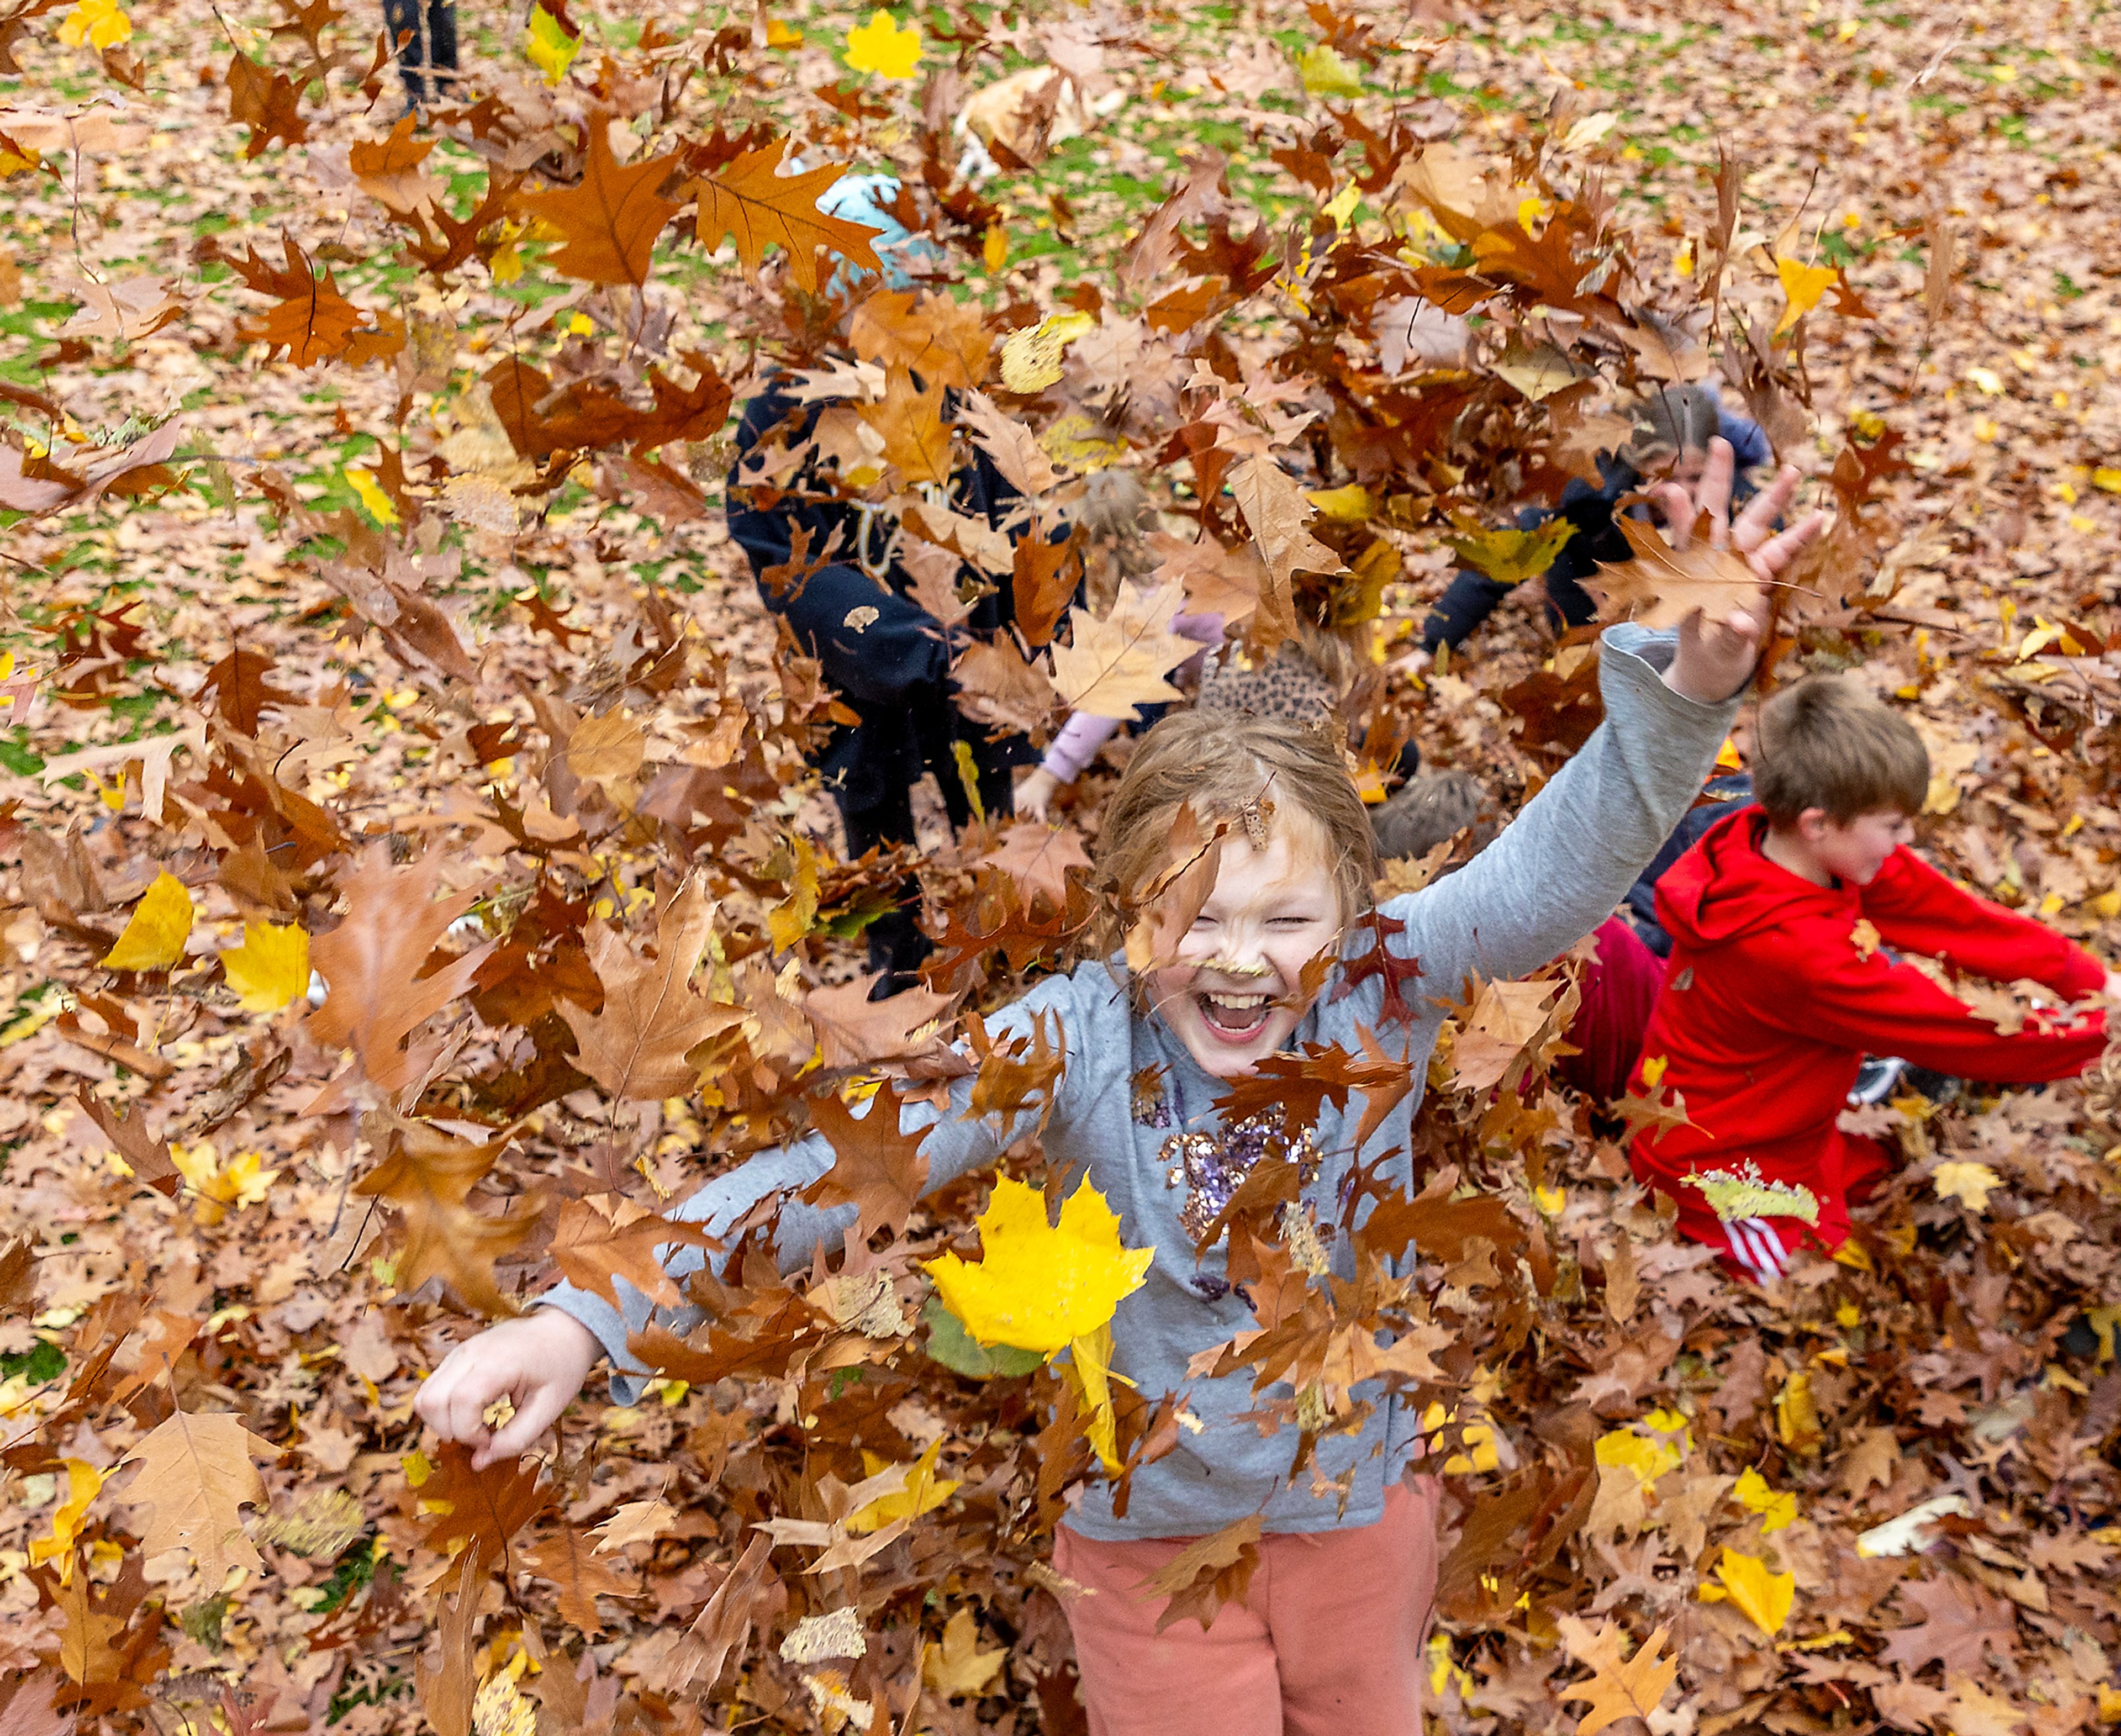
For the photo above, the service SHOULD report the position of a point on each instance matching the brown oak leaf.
(635, 1047)
(877, 1166)
(428, 1175)
(196, 1476)
(371, 964)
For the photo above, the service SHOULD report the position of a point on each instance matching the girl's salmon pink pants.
(1327, 1642)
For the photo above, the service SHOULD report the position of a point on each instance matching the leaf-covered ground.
(366, 638)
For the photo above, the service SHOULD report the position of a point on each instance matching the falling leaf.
(102, 24)
(1661, 585)
(378, 505)
(195, 1478)
(372, 964)
(310, 321)
(1968, 1183)
(635, 1522)
(1764, 1595)
(1275, 511)
(1802, 286)
(428, 1175)
(635, 1046)
(836, 1634)
(1120, 663)
(1621, 1687)
(957, 1670)
(916, 437)
(884, 47)
(1324, 73)
(84, 1482)
(566, 1561)
(551, 50)
(594, 1244)
(156, 932)
(1039, 1285)
(499, 1708)
(751, 204)
(608, 221)
(1031, 357)
(1510, 556)
(877, 1164)
(924, 1492)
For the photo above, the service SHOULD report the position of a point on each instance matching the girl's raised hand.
(1715, 660)
(537, 1364)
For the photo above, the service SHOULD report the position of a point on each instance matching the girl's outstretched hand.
(1715, 660)
(537, 1364)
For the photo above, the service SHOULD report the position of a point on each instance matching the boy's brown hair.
(1222, 763)
(1825, 743)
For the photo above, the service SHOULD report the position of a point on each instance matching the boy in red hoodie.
(1778, 983)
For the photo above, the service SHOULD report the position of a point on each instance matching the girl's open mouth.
(1235, 1018)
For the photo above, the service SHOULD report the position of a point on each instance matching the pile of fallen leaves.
(418, 885)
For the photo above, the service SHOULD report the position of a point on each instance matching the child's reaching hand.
(537, 1364)
(1715, 660)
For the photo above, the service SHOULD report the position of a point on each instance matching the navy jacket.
(1472, 596)
(894, 671)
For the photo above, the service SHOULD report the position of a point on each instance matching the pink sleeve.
(1207, 628)
(1076, 746)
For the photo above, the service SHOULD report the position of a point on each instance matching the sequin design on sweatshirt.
(1211, 1166)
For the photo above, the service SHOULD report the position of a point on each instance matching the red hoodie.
(1770, 1001)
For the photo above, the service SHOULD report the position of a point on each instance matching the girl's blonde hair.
(1230, 769)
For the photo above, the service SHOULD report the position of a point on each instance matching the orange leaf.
(751, 204)
(610, 221)
(910, 421)
(1633, 1689)
(313, 321)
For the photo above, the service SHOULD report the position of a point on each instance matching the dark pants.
(429, 43)
(896, 944)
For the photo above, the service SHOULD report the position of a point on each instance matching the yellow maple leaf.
(1802, 286)
(1031, 356)
(1766, 1597)
(84, 1482)
(100, 23)
(1968, 1183)
(1510, 556)
(154, 934)
(270, 969)
(924, 1492)
(1348, 506)
(243, 1181)
(1776, 1509)
(883, 47)
(1649, 1455)
(551, 50)
(381, 506)
(1324, 73)
(1039, 1285)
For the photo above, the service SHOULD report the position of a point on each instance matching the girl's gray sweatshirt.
(1554, 874)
